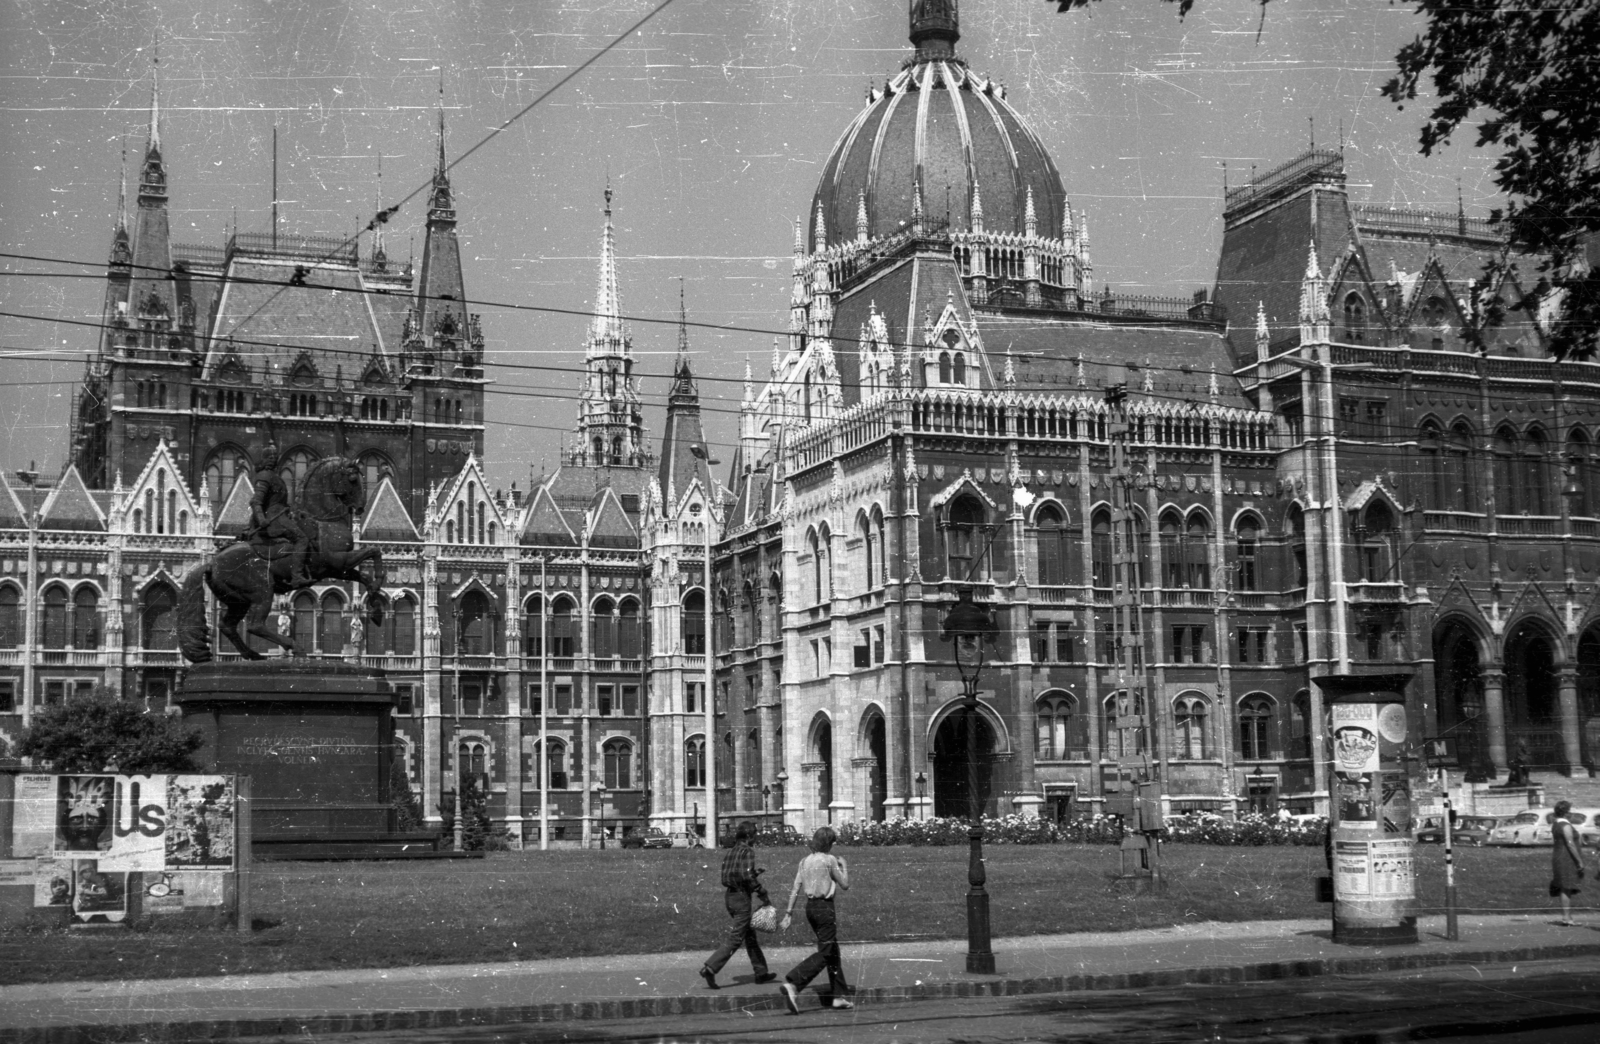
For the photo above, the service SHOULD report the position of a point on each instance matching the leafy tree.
(95, 731)
(1521, 70)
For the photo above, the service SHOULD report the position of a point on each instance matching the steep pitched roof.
(161, 476)
(386, 517)
(609, 525)
(234, 518)
(544, 523)
(12, 515)
(69, 505)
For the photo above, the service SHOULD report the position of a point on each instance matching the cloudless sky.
(712, 124)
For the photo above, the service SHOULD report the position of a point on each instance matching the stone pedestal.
(316, 739)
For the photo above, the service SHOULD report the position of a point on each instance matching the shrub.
(96, 731)
(407, 810)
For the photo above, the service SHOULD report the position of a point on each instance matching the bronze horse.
(244, 581)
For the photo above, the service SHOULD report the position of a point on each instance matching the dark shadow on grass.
(261, 924)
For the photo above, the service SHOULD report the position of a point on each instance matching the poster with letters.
(1355, 737)
(33, 832)
(200, 823)
(138, 824)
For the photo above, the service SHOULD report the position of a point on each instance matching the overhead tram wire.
(382, 217)
(708, 405)
(641, 319)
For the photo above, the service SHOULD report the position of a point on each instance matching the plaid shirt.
(739, 870)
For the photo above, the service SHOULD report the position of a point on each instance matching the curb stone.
(177, 1032)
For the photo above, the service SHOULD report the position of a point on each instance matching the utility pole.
(1134, 718)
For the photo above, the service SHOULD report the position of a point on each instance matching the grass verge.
(527, 906)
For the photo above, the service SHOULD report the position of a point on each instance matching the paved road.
(1462, 1003)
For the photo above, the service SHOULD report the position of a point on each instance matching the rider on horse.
(273, 522)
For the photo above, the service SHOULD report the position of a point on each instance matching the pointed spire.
(1263, 334)
(606, 326)
(1211, 385)
(819, 241)
(1010, 372)
(1067, 231)
(441, 205)
(749, 385)
(861, 217)
(1313, 270)
(683, 323)
(122, 191)
(799, 239)
(1030, 217)
(777, 360)
(155, 104)
(976, 221)
(1083, 381)
(916, 211)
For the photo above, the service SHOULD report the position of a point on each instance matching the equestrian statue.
(289, 547)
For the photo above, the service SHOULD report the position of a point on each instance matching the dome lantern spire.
(935, 28)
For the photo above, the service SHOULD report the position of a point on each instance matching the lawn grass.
(530, 905)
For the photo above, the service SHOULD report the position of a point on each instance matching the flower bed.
(1246, 830)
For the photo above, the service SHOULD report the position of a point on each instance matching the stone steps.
(1582, 790)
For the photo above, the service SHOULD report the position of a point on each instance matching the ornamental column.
(1571, 726)
(1494, 708)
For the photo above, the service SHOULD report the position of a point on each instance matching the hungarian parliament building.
(1328, 462)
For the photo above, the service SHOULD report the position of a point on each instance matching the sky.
(711, 122)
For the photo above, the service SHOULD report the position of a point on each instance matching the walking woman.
(821, 874)
(1566, 860)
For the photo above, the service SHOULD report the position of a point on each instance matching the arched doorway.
(951, 787)
(878, 781)
(1533, 716)
(1458, 695)
(1589, 695)
(822, 741)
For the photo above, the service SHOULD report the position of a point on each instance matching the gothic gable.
(466, 513)
(234, 518)
(70, 506)
(544, 523)
(386, 517)
(608, 523)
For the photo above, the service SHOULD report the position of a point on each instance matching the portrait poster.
(200, 822)
(99, 896)
(138, 824)
(52, 882)
(83, 816)
(33, 830)
(1355, 737)
(1357, 803)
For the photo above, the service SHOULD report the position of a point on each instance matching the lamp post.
(922, 792)
(970, 628)
(766, 802)
(599, 791)
(780, 785)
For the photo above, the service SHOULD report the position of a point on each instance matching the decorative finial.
(977, 208)
(861, 217)
(1211, 386)
(916, 211)
(1030, 217)
(1010, 372)
(819, 241)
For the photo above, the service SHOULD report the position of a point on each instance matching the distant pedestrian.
(1566, 860)
(821, 874)
(741, 878)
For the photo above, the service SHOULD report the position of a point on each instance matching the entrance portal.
(951, 787)
(878, 785)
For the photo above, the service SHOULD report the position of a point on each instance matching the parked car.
(1468, 830)
(1522, 828)
(1533, 827)
(684, 839)
(655, 837)
(633, 840)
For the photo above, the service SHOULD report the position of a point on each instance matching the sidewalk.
(661, 984)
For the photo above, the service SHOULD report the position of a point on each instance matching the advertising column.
(1374, 879)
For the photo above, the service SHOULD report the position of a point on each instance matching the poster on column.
(1355, 737)
(1358, 805)
(1393, 876)
(83, 816)
(1350, 869)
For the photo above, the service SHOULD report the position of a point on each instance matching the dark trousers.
(820, 913)
(740, 906)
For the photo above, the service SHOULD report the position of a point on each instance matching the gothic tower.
(610, 415)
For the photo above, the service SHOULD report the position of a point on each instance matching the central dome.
(939, 127)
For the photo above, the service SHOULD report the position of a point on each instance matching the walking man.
(742, 879)
(821, 874)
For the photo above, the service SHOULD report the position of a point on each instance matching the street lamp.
(780, 786)
(599, 791)
(922, 792)
(970, 627)
(766, 802)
